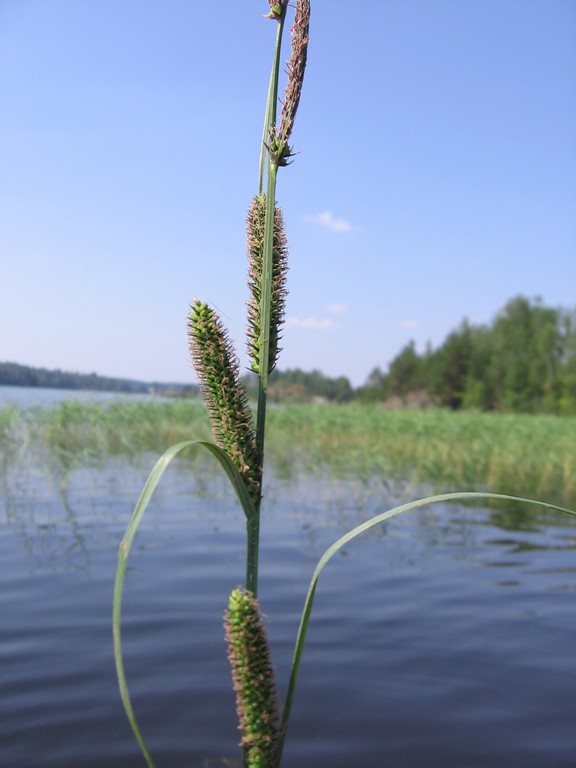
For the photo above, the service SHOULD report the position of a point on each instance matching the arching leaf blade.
(126, 545)
(354, 533)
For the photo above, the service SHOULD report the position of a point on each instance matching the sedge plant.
(238, 435)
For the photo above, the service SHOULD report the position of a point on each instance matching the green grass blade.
(349, 536)
(126, 545)
(234, 476)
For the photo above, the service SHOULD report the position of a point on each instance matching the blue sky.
(436, 177)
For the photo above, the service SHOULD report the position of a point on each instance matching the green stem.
(252, 551)
(253, 524)
(270, 115)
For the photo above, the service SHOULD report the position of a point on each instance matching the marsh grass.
(89, 431)
(57, 440)
(522, 454)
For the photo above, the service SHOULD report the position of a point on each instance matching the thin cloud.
(310, 323)
(337, 309)
(328, 221)
(409, 324)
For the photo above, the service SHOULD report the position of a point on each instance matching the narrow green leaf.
(349, 536)
(126, 545)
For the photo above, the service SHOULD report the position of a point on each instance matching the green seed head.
(253, 678)
(217, 370)
(275, 10)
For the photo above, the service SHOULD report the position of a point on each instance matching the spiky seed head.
(217, 369)
(296, 68)
(253, 679)
(255, 229)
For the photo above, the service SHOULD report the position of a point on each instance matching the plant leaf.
(345, 539)
(126, 545)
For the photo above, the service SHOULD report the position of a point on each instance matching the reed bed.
(525, 454)
(97, 430)
(522, 454)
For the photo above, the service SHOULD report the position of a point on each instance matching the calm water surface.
(444, 638)
(32, 396)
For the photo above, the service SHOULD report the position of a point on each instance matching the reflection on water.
(444, 637)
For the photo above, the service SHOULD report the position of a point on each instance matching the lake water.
(32, 396)
(444, 638)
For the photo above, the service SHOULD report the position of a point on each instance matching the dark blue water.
(445, 638)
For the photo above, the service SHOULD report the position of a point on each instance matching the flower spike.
(255, 224)
(217, 370)
(253, 678)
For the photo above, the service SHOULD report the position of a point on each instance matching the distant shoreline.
(17, 375)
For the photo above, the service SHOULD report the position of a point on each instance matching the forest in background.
(524, 361)
(16, 375)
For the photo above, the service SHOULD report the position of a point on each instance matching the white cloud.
(409, 324)
(337, 308)
(330, 222)
(310, 323)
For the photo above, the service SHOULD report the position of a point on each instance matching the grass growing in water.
(527, 455)
(519, 453)
(238, 439)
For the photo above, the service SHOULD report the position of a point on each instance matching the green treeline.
(524, 361)
(14, 375)
(296, 386)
